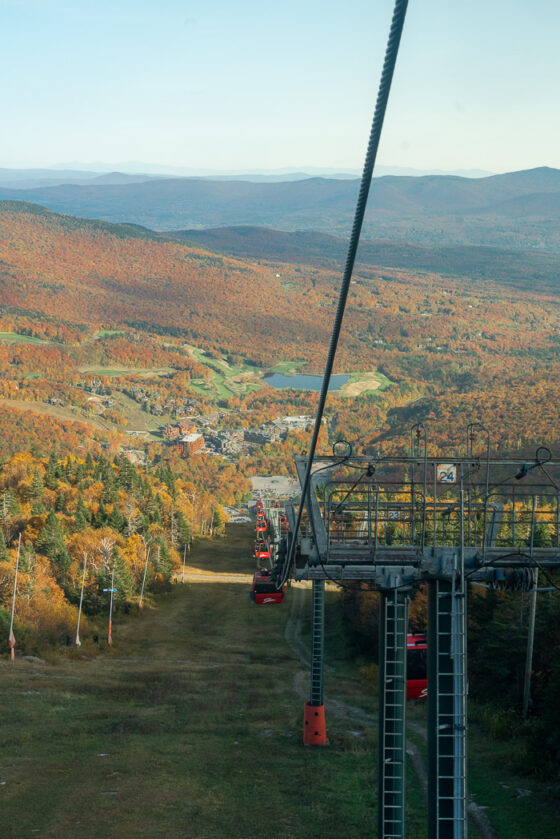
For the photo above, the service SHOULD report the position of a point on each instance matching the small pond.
(303, 382)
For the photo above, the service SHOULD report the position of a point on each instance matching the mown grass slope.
(189, 727)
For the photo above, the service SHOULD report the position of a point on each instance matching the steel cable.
(391, 53)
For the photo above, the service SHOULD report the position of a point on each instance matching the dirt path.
(197, 576)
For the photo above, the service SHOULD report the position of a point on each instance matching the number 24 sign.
(446, 473)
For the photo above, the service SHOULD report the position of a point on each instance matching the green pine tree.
(542, 536)
(142, 523)
(102, 469)
(219, 524)
(124, 581)
(36, 488)
(100, 519)
(116, 520)
(109, 495)
(159, 504)
(82, 515)
(9, 506)
(51, 480)
(183, 529)
(50, 543)
(126, 475)
(4, 556)
(81, 508)
(60, 503)
(89, 464)
(162, 559)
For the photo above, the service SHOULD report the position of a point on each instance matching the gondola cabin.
(261, 526)
(261, 551)
(416, 666)
(264, 590)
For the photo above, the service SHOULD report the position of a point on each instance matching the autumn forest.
(112, 335)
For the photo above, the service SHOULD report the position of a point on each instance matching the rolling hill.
(272, 296)
(463, 343)
(522, 269)
(515, 210)
(94, 273)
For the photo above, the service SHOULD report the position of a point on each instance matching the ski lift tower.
(445, 521)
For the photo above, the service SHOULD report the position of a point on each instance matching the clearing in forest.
(190, 726)
(145, 372)
(68, 414)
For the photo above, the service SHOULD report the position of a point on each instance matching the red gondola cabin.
(416, 666)
(261, 551)
(264, 590)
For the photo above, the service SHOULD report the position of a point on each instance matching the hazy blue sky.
(240, 84)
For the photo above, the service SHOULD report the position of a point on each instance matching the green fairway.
(108, 333)
(16, 338)
(286, 368)
(227, 380)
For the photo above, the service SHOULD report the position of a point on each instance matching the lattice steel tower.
(444, 521)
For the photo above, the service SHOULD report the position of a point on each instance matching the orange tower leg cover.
(314, 728)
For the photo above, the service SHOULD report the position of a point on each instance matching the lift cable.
(391, 53)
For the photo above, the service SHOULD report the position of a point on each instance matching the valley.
(135, 412)
(89, 304)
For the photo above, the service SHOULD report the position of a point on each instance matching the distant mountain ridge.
(37, 178)
(515, 210)
(253, 172)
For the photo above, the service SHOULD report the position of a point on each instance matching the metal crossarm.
(408, 510)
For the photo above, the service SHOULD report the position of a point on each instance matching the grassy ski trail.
(188, 727)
